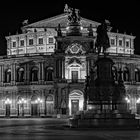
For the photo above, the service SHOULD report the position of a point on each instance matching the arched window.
(49, 98)
(8, 76)
(125, 74)
(137, 75)
(114, 73)
(20, 75)
(49, 74)
(49, 105)
(34, 74)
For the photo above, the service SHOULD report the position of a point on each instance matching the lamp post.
(38, 101)
(127, 101)
(8, 102)
(21, 102)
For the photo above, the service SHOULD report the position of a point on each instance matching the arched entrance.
(34, 106)
(49, 105)
(21, 105)
(76, 101)
(7, 107)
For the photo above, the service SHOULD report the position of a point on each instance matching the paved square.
(54, 129)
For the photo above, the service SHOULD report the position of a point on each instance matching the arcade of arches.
(36, 105)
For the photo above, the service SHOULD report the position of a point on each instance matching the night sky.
(123, 15)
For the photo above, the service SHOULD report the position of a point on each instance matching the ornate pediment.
(61, 19)
(74, 48)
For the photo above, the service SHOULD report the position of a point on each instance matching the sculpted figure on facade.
(73, 14)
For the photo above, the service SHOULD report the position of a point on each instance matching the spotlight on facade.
(81, 28)
(8, 101)
(67, 28)
(90, 107)
(138, 100)
(127, 99)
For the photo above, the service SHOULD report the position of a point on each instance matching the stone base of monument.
(114, 120)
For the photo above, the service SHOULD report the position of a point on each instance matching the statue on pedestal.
(102, 41)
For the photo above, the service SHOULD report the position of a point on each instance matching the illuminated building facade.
(46, 66)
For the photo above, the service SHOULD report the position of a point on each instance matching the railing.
(75, 80)
(42, 82)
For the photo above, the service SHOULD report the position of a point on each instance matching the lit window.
(120, 42)
(14, 43)
(50, 40)
(127, 43)
(74, 75)
(40, 41)
(137, 75)
(31, 41)
(21, 42)
(112, 41)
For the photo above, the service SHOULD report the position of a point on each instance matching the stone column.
(56, 99)
(40, 75)
(87, 67)
(67, 100)
(13, 74)
(57, 68)
(27, 75)
(42, 66)
(41, 72)
(2, 74)
(17, 44)
(116, 44)
(9, 45)
(132, 72)
(60, 68)
(26, 44)
(35, 40)
(63, 69)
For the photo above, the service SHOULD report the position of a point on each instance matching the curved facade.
(44, 72)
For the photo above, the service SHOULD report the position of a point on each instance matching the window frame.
(21, 43)
(49, 40)
(121, 42)
(13, 44)
(127, 41)
(39, 41)
(30, 40)
(112, 39)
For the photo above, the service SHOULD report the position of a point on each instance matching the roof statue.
(73, 14)
(102, 41)
(25, 22)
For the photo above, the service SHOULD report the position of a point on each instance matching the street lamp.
(8, 101)
(128, 102)
(127, 99)
(38, 101)
(21, 102)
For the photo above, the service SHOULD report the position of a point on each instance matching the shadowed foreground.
(55, 129)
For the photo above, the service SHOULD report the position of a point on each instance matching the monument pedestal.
(107, 108)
